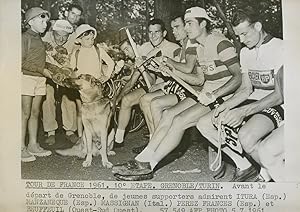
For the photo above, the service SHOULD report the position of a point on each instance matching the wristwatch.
(165, 59)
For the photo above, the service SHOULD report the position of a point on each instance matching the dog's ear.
(70, 83)
(96, 82)
(67, 82)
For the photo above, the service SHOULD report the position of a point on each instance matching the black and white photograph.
(152, 90)
(149, 105)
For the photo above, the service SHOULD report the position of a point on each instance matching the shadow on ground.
(56, 167)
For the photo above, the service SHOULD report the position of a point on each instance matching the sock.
(153, 163)
(69, 132)
(264, 173)
(241, 162)
(120, 136)
(156, 157)
(145, 155)
(51, 133)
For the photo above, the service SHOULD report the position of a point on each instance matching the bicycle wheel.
(137, 120)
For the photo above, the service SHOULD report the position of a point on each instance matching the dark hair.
(78, 7)
(123, 41)
(159, 22)
(245, 14)
(208, 24)
(175, 16)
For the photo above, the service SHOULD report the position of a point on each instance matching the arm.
(29, 68)
(129, 85)
(191, 78)
(235, 116)
(233, 84)
(273, 99)
(186, 67)
(144, 72)
(240, 95)
(109, 62)
(158, 86)
(227, 54)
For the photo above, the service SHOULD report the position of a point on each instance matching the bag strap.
(99, 56)
(76, 59)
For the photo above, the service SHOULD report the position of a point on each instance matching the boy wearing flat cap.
(58, 57)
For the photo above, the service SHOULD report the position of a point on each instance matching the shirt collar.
(159, 45)
(267, 38)
(31, 32)
(185, 40)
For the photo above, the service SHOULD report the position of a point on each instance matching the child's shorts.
(33, 85)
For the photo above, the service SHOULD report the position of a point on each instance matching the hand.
(217, 113)
(156, 87)
(234, 117)
(47, 73)
(138, 61)
(61, 50)
(206, 98)
(217, 120)
(119, 65)
(164, 70)
(219, 110)
(48, 46)
(164, 60)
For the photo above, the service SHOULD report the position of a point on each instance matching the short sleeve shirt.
(262, 64)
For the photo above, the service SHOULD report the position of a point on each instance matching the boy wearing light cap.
(33, 80)
(217, 58)
(89, 59)
(57, 55)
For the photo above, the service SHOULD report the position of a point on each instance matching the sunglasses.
(86, 33)
(44, 15)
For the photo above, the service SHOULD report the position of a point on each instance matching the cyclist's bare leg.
(181, 122)
(161, 103)
(129, 100)
(145, 107)
(271, 154)
(166, 121)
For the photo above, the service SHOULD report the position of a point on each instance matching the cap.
(63, 25)
(196, 12)
(33, 12)
(83, 28)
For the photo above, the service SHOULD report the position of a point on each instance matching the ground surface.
(56, 167)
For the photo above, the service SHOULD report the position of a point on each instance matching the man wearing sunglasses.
(57, 56)
(261, 95)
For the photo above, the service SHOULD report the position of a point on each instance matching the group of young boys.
(235, 100)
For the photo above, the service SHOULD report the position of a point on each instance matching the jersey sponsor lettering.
(230, 137)
(275, 114)
(208, 67)
(262, 79)
(173, 87)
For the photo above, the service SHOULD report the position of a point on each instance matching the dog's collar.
(92, 102)
(98, 100)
